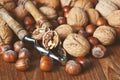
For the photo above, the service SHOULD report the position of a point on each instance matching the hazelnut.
(49, 12)
(4, 48)
(93, 41)
(85, 4)
(66, 8)
(77, 18)
(9, 56)
(50, 39)
(46, 63)
(98, 51)
(72, 67)
(105, 34)
(64, 30)
(101, 21)
(83, 33)
(90, 29)
(85, 63)
(28, 20)
(18, 45)
(61, 20)
(22, 64)
(24, 53)
(76, 45)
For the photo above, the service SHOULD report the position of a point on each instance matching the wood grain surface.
(107, 68)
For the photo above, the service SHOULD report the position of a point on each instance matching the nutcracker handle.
(12, 23)
(37, 15)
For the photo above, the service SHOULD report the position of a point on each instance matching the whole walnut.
(117, 2)
(67, 2)
(51, 3)
(6, 34)
(105, 34)
(64, 30)
(20, 12)
(8, 4)
(85, 4)
(76, 45)
(114, 18)
(77, 18)
(105, 7)
(49, 12)
(93, 15)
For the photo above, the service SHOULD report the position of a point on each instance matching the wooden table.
(102, 69)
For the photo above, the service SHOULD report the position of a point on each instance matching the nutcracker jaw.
(62, 59)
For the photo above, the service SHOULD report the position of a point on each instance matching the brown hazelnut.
(101, 21)
(105, 34)
(30, 28)
(66, 8)
(22, 64)
(77, 18)
(9, 56)
(85, 63)
(18, 45)
(46, 63)
(49, 12)
(76, 45)
(83, 33)
(61, 20)
(50, 39)
(24, 53)
(93, 41)
(72, 67)
(99, 51)
(28, 20)
(64, 30)
(90, 29)
(4, 48)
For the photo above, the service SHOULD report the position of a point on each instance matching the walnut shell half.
(105, 34)
(50, 39)
(76, 45)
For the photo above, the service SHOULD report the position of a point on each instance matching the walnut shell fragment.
(77, 18)
(105, 7)
(76, 45)
(49, 12)
(50, 39)
(93, 15)
(6, 34)
(85, 4)
(64, 30)
(105, 34)
(114, 18)
(39, 32)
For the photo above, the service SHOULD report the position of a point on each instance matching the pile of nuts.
(78, 26)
